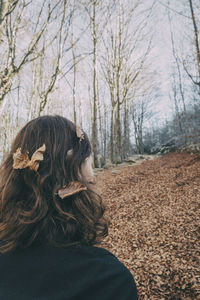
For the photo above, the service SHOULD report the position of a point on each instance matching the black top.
(75, 273)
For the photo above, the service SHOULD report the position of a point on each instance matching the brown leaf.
(37, 157)
(79, 133)
(20, 160)
(154, 226)
(73, 188)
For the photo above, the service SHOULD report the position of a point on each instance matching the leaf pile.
(154, 210)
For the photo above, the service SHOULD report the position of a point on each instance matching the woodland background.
(128, 72)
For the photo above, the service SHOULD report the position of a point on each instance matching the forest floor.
(154, 213)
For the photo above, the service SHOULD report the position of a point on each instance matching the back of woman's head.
(31, 210)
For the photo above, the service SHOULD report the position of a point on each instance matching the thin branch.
(57, 68)
(172, 9)
(191, 77)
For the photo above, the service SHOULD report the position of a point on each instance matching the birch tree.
(97, 13)
(16, 50)
(196, 43)
(121, 66)
(49, 87)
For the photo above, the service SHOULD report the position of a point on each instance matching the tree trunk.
(105, 133)
(196, 39)
(74, 80)
(112, 135)
(94, 123)
(126, 130)
(118, 129)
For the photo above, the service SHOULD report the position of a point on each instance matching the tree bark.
(196, 38)
(74, 80)
(94, 122)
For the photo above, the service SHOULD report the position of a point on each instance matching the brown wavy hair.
(31, 212)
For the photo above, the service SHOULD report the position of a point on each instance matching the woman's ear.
(87, 170)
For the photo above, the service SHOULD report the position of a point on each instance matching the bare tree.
(121, 67)
(19, 54)
(74, 75)
(44, 95)
(141, 107)
(97, 13)
(196, 39)
(178, 65)
(6, 8)
(94, 40)
(195, 79)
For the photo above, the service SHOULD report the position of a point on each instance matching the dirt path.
(154, 209)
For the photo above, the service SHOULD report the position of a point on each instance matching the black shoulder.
(118, 282)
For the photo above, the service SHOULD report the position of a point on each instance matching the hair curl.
(31, 212)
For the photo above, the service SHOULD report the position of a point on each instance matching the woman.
(50, 220)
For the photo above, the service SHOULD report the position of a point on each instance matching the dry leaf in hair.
(73, 188)
(79, 133)
(37, 157)
(21, 160)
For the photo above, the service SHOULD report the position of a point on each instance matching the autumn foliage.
(154, 210)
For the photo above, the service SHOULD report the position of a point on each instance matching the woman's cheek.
(87, 170)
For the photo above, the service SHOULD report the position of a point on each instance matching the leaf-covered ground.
(154, 210)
